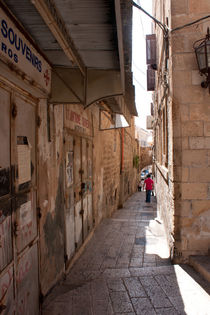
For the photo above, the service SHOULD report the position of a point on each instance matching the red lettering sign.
(78, 119)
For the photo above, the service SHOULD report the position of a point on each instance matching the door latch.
(81, 211)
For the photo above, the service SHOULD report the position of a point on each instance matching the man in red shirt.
(148, 182)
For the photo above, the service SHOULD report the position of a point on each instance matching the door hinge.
(65, 258)
(38, 121)
(41, 298)
(14, 110)
(39, 212)
(2, 307)
(16, 229)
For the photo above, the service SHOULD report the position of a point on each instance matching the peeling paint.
(54, 228)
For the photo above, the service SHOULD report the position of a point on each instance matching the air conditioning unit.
(150, 120)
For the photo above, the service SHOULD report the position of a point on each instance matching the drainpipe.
(121, 195)
(122, 150)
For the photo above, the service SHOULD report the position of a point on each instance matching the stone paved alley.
(125, 270)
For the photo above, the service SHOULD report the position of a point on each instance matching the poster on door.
(69, 169)
(24, 160)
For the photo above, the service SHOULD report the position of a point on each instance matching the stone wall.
(163, 128)
(187, 175)
(191, 133)
(109, 181)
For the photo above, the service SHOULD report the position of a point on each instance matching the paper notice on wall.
(25, 214)
(69, 168)
(24, 163)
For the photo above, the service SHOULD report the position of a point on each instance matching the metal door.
(6, 246)
(78, 192)
(87, 187)
(69, 198)
(89, 180)
(18, 220)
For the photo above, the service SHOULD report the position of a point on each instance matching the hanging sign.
(15, 48)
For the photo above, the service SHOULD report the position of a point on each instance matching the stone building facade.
(181, 128)
(61, 171)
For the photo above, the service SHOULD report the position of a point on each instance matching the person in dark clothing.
(139, 186)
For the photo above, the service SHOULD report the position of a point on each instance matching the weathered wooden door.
(78, 192)
(87, 212)
(19, 290)
(69, 198)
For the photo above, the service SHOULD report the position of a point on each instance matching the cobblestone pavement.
(125, 269)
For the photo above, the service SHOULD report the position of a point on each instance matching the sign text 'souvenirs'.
(17, 46)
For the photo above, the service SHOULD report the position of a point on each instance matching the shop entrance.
(78, 192)
(18, 219)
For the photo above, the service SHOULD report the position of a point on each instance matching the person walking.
(149, 184)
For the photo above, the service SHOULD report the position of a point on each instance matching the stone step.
(202, 265)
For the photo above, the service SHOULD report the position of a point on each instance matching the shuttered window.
(150, 79)
(151, 49)
(151, 61)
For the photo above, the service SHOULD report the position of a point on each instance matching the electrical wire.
(139, 83)
(189, 24)
(139, 69)
(142, 25)
(162, 26)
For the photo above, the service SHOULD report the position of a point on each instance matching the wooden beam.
(54, 21)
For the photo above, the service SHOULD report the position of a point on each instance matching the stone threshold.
(202, 265)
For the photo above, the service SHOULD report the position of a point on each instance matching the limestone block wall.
(113, 178)
(163, 126)
(106, 163)
(129, 171)
(107, 182)
(187, 175)
(191, 132)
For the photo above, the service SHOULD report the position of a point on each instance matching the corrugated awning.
(87, 42)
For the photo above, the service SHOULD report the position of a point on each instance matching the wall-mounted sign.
(15, 48)
(76, 118)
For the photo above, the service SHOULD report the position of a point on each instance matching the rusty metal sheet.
(26, 112)
(7, 292)
(78, 224)
(26, 219)
(89, 187)
(90, 211)
(77, 161)
(69, 224)
(84, 159)
(5, 234)
(27, 283)
(69, 198)
(85, 216)
(69, 168)
(5, 142)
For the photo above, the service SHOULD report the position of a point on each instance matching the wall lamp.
(202, 51)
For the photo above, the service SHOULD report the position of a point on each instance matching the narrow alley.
(125, 269)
